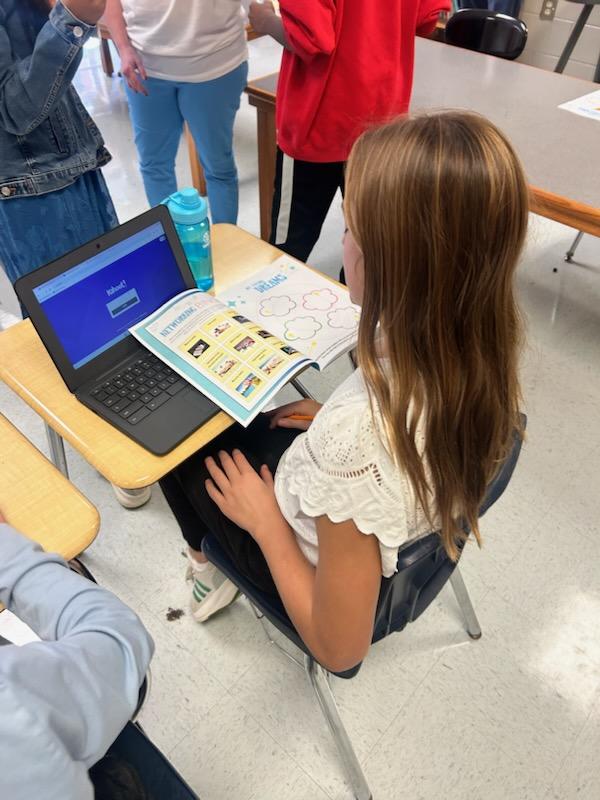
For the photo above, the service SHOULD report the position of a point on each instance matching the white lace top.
(340, 468)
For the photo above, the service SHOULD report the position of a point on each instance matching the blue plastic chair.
(423, 570)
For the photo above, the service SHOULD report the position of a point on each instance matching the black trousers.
(196, 513)
(304, 191)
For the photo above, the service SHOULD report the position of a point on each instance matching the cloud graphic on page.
(343, 318)
(276, 306)
(319, 300)
(301, 328)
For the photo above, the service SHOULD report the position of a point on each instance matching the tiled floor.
(515, 716)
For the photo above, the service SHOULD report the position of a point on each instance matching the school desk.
(559, 150)
(26, 367)
(40, 502)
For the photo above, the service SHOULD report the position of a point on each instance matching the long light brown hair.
(438, 205)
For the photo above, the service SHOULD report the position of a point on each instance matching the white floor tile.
(229, 755)
(579, 776)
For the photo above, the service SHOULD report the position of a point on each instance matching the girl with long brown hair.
(436, 208)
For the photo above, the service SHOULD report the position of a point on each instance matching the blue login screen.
(92, 305)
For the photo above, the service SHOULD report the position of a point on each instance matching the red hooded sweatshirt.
(351, 67)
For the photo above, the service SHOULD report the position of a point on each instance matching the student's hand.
(281, 417)
(88, 11)
(261, 16)
(242, 494)
(132, 68)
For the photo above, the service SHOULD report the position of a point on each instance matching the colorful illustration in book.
(248, 385)
(244, 344)
(198, 348)
(220, 328)
(271, 364)
(224, 366)
(301, 328)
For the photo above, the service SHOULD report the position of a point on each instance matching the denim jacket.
(47, 138)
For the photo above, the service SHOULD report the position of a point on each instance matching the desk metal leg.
(571, 251)
(57, 450)
(573, 38)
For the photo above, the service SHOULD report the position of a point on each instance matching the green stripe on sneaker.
(205, 589)
(198, 593)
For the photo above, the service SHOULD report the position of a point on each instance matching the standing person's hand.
(88, 11)
(261, 16)
(132, 68)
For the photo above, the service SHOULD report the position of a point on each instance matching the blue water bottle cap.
(187, 207)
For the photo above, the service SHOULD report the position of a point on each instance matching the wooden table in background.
(27, 369)
(39, 501)
(558, 149)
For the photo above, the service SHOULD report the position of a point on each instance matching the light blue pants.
(209, 108)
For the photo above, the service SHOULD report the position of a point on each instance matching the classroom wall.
(547, 38)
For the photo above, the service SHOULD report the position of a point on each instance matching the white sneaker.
(132, 498)
(211, 590)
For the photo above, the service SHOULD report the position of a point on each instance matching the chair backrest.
(487, 31)
(423, 565)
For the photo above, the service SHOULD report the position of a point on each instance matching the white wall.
(547, 39)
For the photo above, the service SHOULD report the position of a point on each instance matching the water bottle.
(189, 212)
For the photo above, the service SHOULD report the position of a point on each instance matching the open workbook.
(241, 347)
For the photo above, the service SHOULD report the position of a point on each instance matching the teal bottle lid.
(187, 207)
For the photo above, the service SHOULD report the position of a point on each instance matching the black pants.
(196, 513)
(304, 191)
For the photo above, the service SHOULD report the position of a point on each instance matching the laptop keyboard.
(139, 389)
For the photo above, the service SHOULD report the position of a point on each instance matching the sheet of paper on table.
(586, 106)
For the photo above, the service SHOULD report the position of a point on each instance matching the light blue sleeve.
(63, 700)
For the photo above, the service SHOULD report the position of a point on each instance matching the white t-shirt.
(187, 40)
(340, 468)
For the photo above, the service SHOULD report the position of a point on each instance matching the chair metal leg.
(265, 626)
(573, 38)
(571, 251)
(57, 450)
(261, 618)
(302, 391)
(464, 601)
(319, 680)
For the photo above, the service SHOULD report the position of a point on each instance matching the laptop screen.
(91, 306)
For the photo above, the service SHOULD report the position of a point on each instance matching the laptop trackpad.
(170, 424)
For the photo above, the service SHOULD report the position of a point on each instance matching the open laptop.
(82, 306)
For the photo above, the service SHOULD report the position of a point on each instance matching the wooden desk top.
(39, 501)
(27, 368)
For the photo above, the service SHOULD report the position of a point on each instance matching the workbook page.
(302, 307)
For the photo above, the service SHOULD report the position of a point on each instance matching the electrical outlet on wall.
(548, 9)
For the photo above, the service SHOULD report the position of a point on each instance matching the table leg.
(57, 450)
(267, 153)
(198, 179)
(106, 58)
(572, 40)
